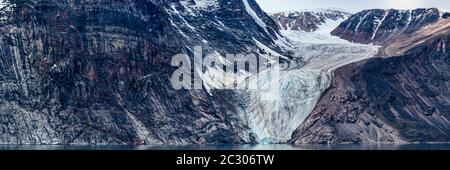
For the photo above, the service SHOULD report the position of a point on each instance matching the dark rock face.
(97, 71)
(399, 99)
(379, 26)
(308, 21)
(446, 15)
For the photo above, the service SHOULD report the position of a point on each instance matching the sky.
(350, 5)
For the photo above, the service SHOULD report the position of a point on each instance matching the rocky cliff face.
(307, 20)
(390, 99)
(97, 71)
(400, 99)
(379, 26)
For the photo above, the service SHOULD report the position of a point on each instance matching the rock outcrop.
(386, 100)
(307, 20)
(379, 26)
(98, 71)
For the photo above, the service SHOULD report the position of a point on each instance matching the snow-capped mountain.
(343, 107)
(382, 25)
(309, 20)
(386, 100)
(98, 71)
(212, 20)
(274, 111)
(389, 99)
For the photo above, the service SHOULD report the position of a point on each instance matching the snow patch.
(268, 50)
(380, 23)
(329, 26)
(182, 18)
(201, 4)
(360, 22)
(255, 17)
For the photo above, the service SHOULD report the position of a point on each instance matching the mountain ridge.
(385, 100)
(98, 71)
(307, 20)
(379, 26)
(397, 97)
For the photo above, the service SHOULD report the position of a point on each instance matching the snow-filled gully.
(274, 111)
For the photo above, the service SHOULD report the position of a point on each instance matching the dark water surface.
(231, 147)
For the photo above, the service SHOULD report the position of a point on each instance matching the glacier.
(274, 110)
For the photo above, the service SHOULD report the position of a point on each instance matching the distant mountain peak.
(381, 25)
(315, 10)
(308, 20)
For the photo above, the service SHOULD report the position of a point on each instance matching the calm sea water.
(231, 147)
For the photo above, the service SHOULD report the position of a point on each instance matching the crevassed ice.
(276, 109)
